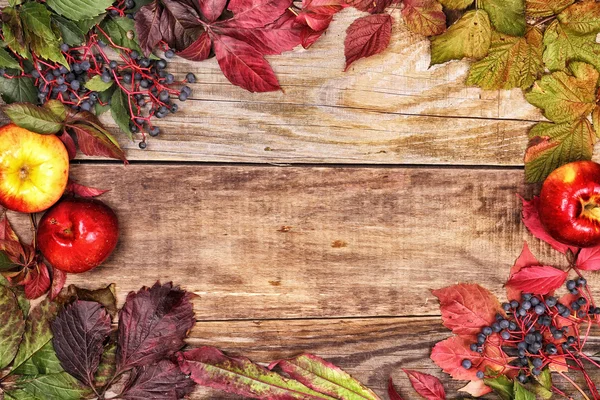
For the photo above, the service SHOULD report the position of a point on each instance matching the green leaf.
(456, 4)
(18, 90)
(97, 84)
(121, 31)
(87, 24)
(78, 10)
(59, 386)
(33, 118)
(507, 16)
(502, 386)
(552, 145)
(564, 46)
(119, 109)
(108, 365)
(564, 97)
(37, 331)
(582, 17)
(43, 361)
(12, 28)
(521, 393)
(14, 3)
(5, 262)
(469, 37)
(545, 8)
(69, 30)
(57, 108)
(512, 62)
(39, 33)
(6, 61)
(12, 326)
(19, 294)
(102, 106)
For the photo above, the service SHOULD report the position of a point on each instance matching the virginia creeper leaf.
(563, 46)
(470, 37)
(161, 381)
(199, 50)
(148, 26)
(78, 10)
(19, 294)
(324, 377)
(93, 142)
(582, 17)
(39, 282)
(12, 326)
(371, 6)
(367, 36)
(212, 9)
(512, 62)
(545, 8)
(531, 219)
(71, 33)
(588, 259)
(538, 279)
(210, 367)
(467, 308)
(18, 90)
(152, 325)
(456, 4)
(42, 362)
(521, 393)
(502, 386)
(97, 84)
(12, 28)
(119, 109)
(476, 388)
(79, 331)
(83, 191)
(392, 392)
(426, 385)
(450, 353)
(526, 259)
(57, 108)
(507, 16)
(6, 60)
(183, 26)
(121, 31)
(108, 365)
(59, 386)
(33, 118)
(58, 282)
(39, 34)
(424, 17)
(566, 97)
(254, 13)
(553, 145)
(69, 144)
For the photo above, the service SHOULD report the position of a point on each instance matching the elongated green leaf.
(521, 393)
(5, 262)
(507, 16)
(469, 37)
(12, 326)
(6, 61)
(71, 33)
(14, 2)
(121, 31)
(57, 108)
(103, 99)
(210, 367)
(97, 84)
(119, 109)
(78, 10)
(39, 33)
(87, 24)
(563, 46)
(42, 362)
(33, 118)
(12, 28)
(18, 90)
(324, 378)
(59, 386)
(502, 386)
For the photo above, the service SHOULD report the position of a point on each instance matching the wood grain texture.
(273, 242)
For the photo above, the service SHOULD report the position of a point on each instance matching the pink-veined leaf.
(323, 377)
(161, 381)
(58, 282)
(424, 17)
(588, 259)
(39, 282)
(83, 191)
(538, 279)
(254, 13)
(212, 9)
(392, 392)
(449, 355)
(199, 50)
(79, 332)
(467, 308)
(526, 259)
(426, 385)
(93, 142)
(367, 36)
(208, 366)
(69, 144)
(243, 65)
(531, 219)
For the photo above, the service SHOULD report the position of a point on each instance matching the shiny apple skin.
(564, 194)
(44, 161)
(77, 235)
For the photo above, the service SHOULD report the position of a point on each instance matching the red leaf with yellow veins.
(93, 142)
(467, 308)
(367, 36)
(526, 259)
(426, 385)
(538, 279)
(531, 219)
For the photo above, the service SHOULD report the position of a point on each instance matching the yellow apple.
(34, 169)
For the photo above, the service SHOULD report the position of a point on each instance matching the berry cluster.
(539, 330)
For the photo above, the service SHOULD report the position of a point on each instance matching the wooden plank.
(371, 349)
(273, 242)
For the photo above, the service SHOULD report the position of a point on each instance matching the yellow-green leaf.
(507, 16)
(78, 10)
(97, 84)
(12, 326)
(566, 97)
(424, 17)
(456, 4)
(6, 60)
(521, 393)
(12, 28)
(545, 8)
(563, 46)
(33, 118)
(469, 37)
(552, 145)
(502, 386)
(512, 62)
(59, 386)
(596, 120)
(39, 33)
(582, 17)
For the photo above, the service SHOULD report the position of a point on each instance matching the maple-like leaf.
(424, 17)
(148, 26)
(512, 62)
(9, 241)
(531, 219)
(79, 332)
(426, 385)
(39, 283)
(469, 37)
(588, 259)
(545, 8)
(538, 279)
(582, 17)
(153, 324)
(563, 46)
(367, 36)
(507, 16)
(392, 392)
(467, 308)
(93, 142)
(58, 282)
(553, 145)
(161, 381)
(566, 97)
(83, 191)
(526, 259)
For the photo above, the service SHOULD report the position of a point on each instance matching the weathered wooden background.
(318, 218)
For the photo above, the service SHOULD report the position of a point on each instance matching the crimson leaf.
(93, 142)
(148, 26)
(161, 381)
(69, 144)
(83, 191)
(589, 259)
(538, 279)
(199, 50)
(39, 282)
(531, 219)
(212, 9)
(255, 13)
(426, 385)
(392, 393)
(79, 331)
(367, 36)
(58, 282)
(152, 325)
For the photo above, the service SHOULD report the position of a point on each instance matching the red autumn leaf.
(148, 26)
(243, 65)
(467, 308)
(476, 388)
(308, 37)
(449, 355)
(424, 17)
(426, 385)
(588, 259)
(83, 191)
(526, 259)
(538, 279)
(531, 219)
(199, 50)
(69, 144)
(93, 142)
(79, 332)
(316, 22)
(367, 36)
(58, 282)
(392, 392)
(254, 13)
(161, 381)
(372, 6)
(39, 283)
(153, 324)
(9, 241)
(212, 9)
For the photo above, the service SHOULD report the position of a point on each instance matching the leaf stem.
(574, 385)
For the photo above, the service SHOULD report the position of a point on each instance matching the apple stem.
(592, 211)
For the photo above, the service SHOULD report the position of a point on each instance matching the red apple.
(77, 235)
(569, 204)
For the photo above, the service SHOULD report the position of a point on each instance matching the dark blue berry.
(575, 306)
(539, 309)
(144, 83)
(582, 301)
(155, 131)
(174, 109)
(526, 296)
(473, 346)
(534, 301)
(514, 304)
(183, 96)
(581, 282)
(163, 95)
(127, 78)
(526, 305)
(85, 65)
(169, 78)
(505, 335)
(85, 105)
(551, 349)
(480, 374)
(467, 364)
(142, 145)
(134, 55)
(75, 85)
(537, 362)
(191, 78)
(35, 74)
(64, 47)
(161, 64)
(169, 53)
(551, 301)
(571, 284)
